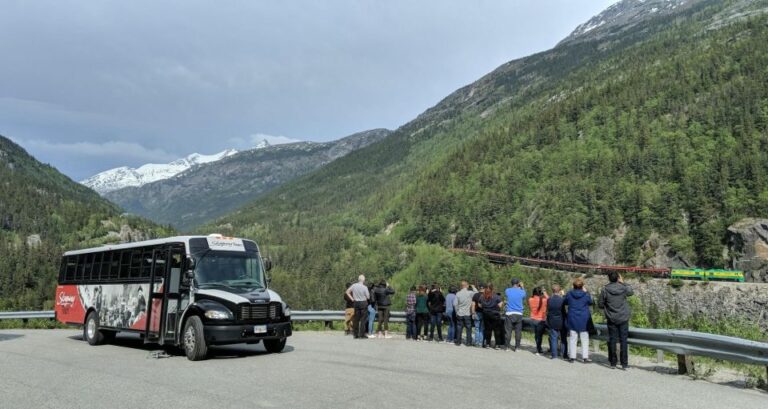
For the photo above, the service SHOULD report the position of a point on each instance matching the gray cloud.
(183, 76)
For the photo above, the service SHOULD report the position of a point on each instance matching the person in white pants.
(578, 301)
(583, 337)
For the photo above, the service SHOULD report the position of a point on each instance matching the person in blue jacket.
(578, 301)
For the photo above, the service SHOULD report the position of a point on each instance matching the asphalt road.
(56, 369)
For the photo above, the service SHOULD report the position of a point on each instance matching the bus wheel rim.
(189, 339)
(91, 328)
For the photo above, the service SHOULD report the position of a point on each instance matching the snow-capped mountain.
(623, 15)
(124, 176)
(263, 144)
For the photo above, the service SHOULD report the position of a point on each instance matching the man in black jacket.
(382, 295)
(436, 304)
(556, 322)
(613, 300)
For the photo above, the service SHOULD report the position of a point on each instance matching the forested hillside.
(42, 214)
(656, 134)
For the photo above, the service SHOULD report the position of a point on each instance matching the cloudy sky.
(88, 86)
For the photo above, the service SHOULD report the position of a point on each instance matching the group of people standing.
(363, 305)
(490, 319)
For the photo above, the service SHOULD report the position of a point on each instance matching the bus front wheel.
(274, 345)
(194, 340)
(91, 331)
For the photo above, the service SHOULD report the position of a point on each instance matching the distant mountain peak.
(625, 13)
(123, 176)
(263, 144)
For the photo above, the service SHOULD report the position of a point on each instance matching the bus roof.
(153, 242)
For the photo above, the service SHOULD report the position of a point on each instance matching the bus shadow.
(214, 352)
(240, 351)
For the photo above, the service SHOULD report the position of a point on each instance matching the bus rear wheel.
(91, 331)
(194, 340)
(274, 345)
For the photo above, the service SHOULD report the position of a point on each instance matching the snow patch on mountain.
(625, 13)
(118, 178)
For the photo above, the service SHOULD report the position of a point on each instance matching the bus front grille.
(259, 312)
(250, 312)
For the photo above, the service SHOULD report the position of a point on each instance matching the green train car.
(708, 275)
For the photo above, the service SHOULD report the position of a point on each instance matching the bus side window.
(80, 267)
(63, 269)
(136, 262)
(104, 273)
(125, 264)
(96, 267)
(114, 265)
(146, 263)
(69, 276)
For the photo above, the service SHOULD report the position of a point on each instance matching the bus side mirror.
(189, 263)
(267, 264)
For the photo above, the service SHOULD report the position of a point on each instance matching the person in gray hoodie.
(613, 301)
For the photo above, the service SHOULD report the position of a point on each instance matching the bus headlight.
(218, 315)
(286, 310)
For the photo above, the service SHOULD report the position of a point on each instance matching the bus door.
(157, 284)
(173, 295)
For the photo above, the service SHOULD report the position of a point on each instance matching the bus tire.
(274, 346)
(193, 339)
(91, 331)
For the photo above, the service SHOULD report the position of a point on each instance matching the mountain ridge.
(204, 192)
(124, 176)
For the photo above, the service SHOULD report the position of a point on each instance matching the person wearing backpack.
(613, 301)
(436, 304)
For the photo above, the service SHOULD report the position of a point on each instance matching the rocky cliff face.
(748, 248)
(737, 302)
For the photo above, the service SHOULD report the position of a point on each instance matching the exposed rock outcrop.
(748, 248)
(737, 302)
(662, 254)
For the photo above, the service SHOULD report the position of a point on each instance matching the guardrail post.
(329, 324)
(659, 356)
(595, 345)
(684, 365)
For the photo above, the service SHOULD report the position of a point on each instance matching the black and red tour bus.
(186, 291)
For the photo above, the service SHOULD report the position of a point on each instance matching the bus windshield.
(229, 269)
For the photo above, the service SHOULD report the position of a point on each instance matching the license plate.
(260, 329)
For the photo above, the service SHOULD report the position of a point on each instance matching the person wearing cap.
(513, 320)
(478, 314)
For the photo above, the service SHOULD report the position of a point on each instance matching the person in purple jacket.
(578, 301)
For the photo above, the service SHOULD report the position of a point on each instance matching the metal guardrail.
(679, 342)
(26, 315)
(682, 343)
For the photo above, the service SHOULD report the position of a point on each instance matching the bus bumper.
(236, 334)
